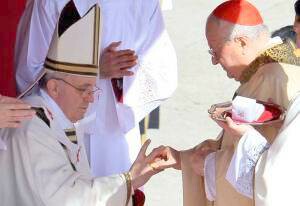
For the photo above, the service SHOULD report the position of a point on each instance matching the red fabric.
(118, 91)
(10, 12)
(138, 198)
(238, 12)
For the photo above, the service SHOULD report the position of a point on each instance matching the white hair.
(233, 31)
(51, 75)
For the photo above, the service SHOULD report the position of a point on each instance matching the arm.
(241, 169)
(56, 181)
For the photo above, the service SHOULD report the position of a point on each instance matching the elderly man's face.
(226, 53)
(74, 94)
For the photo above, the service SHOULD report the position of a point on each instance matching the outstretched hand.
(116, 63)
(159, 159)
(13, 111)
(141, 170)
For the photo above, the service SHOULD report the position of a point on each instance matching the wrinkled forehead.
(82, 80)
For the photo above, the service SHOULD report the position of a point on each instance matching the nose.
(214, 60)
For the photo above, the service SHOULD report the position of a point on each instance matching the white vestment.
(41, 166)
(276, 178)
(277, 171)
(138, 24)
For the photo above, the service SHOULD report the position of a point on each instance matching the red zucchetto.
(238, 12)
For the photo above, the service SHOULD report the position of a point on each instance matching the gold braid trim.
(128, 179)
(282, 53)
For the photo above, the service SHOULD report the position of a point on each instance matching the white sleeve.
(241, 169)
(34, 35)
(155, 77)
(210, 176)
(54, 179)
(2, 145)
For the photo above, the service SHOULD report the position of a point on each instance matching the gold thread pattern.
(281, 53)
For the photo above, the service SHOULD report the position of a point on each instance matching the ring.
(151, 165)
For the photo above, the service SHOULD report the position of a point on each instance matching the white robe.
(36, 170)
(276, 178)
(114, 136)
(277, 172)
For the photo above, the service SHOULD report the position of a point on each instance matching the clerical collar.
(56, 111)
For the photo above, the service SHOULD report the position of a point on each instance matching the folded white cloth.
(246, 109)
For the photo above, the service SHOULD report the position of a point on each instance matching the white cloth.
(36, 169)
(139, 25)
(210, 176)
(277, 171)
(246, 109)
(240, 172)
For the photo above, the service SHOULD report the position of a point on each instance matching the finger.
(112, 46)
(127, 64)
(10, 125)
(144, 148)
(22, 113)
(125, 52)
(155, 154)
(162, 164)
(123, 73)
(19, 118)
(126, 58)
(231, 124)
(16, 106)
(5, 99)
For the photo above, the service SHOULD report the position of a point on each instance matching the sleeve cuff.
(210, 176)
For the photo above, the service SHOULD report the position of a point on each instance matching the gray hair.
(51, 75)
(235, 30)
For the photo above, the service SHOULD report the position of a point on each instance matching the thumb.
(230, 122)
(144, 148)
(113, 46)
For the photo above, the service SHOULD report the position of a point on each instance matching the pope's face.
(75, 93)
(224, 52)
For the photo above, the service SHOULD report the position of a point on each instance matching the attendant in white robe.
(276, 172)
(135, 27)
(45, 161)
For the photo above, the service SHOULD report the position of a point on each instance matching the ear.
(242, 41)
(52, 88)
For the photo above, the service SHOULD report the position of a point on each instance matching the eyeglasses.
(85, 92)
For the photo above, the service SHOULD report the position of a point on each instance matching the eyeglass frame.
(84, 92)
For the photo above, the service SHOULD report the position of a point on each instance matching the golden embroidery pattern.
(282, 53)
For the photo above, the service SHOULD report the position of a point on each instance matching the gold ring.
(151, 165)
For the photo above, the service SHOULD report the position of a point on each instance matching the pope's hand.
(142, 170)
(13, 112)
(116, 63)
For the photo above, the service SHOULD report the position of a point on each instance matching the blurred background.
(184, 120)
